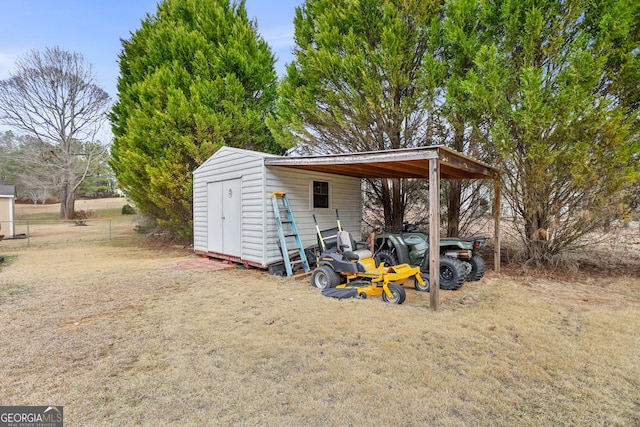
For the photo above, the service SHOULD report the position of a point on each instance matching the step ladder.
(287, 229)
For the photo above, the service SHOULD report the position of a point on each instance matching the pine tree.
(462, 35)
(563, 133)
(195, 77)
(362, 79)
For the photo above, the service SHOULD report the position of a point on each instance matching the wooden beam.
(497, 185)
(434, 233)
(447, 172)
(466, 166)
(355, 158)
(403, 163)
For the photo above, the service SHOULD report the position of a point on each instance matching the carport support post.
(434, 232)
(496, 222)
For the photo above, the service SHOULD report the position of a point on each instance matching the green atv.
(459, 260)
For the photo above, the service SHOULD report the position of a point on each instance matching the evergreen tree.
(195, 77)
(562, 121)
(363, 79)
(462, 35)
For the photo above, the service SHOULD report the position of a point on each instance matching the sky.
(95, 28)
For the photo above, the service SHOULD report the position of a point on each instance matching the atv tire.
(477, 269)
(398, 292)
(324, 277)
(452, 273)
(387, 257)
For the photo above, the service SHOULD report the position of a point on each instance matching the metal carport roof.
(403, 163)
(431, 163)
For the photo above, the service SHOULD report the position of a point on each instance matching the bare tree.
(38, 194)
(53, 97)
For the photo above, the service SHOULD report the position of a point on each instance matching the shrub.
(128, 210)
(80, 217)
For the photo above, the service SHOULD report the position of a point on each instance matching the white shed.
(233, 214)
(7, 209)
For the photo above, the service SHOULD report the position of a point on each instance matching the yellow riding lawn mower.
(346, 271)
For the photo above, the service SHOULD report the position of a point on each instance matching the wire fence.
(31, 232)
(26, 209)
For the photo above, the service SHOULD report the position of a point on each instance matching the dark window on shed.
(320, 194)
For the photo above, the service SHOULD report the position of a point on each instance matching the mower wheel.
(387, 257)
(452, 273)
(363, 295)
(324, 277)
(419, 287)
(477, 269)
(398, 293)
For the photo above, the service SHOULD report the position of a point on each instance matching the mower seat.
(328, 239)
(346, 246)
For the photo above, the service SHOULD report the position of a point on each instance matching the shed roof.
(225, 150)
(403, 163)
(7, 190)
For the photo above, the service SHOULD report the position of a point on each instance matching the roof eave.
(403, 163)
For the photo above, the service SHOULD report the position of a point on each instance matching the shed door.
(225, 214)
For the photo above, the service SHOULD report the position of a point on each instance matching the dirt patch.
(202, 265)
(102, 316)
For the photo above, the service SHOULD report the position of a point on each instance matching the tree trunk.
(453, 208)
(397, 205)
(392, 204)
(536, 226)
(67, 201)
(386, 202)
(455, 187)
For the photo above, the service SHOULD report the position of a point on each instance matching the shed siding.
(252, 213)
(345, 196)
(224, 165)
(260, 242)
(6, 215)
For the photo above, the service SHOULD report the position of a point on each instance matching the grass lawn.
(118, 336)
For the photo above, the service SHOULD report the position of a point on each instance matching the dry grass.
(114, 334)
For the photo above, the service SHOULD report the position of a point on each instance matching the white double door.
(225, 216)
